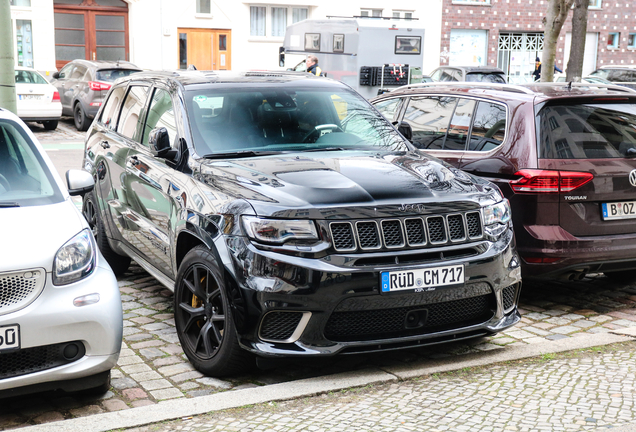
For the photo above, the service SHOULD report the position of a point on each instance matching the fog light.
(86, 300)
(70, 351)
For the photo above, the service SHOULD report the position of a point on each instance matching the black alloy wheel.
(203, 317)
(118, 263)
(79, 116)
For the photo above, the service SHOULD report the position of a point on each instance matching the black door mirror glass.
(56, 75)
(405, 129)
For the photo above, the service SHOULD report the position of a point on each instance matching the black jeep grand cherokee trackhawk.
(291, 219)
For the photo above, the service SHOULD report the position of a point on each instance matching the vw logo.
(632, 177)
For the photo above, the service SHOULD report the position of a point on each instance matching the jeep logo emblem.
(632, 178)
(419, 208)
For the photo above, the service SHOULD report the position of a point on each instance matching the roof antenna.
(192, 67)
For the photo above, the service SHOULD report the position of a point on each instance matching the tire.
(90, 210)
(79, 116)
(623, 276)
(50, 124)
(203, 317)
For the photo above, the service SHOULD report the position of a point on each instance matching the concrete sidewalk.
(577, 393)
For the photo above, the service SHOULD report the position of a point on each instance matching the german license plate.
(619, 210)
(421, 279)
(9, 337)
(29, 96)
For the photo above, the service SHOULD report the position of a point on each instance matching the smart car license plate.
(421, 279)
(619, 210)
(9, 337)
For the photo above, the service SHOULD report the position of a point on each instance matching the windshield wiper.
(239, 154)
(325, 149)
(9, 204)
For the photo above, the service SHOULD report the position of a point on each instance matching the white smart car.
(60, 307)
(37, 100)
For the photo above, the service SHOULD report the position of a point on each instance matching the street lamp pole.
(7, 72)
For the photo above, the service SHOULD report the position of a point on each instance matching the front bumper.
(52, 322)
(298, 306)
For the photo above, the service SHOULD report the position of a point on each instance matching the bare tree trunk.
(554, 19)
(574, 69)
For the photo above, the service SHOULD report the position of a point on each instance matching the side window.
(161, 114)
(78, 72)
(429, 118)
(436, 75)
(457, 76)
(459, 125)
(447, 75)
(65, 72)
(131, 110)
(388, 108)
(489, 127)
(110, 112)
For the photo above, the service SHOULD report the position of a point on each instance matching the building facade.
(509, 34)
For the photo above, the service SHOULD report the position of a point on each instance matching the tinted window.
(388, 107)
(486, 77)
(161, 114)
(25, 179)
(110, 112)
(489, 127)
(587, 131)
(429, 118)
(131, 110)
(460, 124)
(111, 75)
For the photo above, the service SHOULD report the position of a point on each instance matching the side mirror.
(56, 75)
(160, 144)
(79, 182)
(405, 129)
(281, 56)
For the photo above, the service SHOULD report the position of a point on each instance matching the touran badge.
(632, 177)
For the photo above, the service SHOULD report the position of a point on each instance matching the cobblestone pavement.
(152, 366)
(572, 392)
(65, 131)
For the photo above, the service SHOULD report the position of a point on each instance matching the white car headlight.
(75, 260)
(279, 231)
(496, 217)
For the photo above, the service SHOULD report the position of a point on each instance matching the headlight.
(279, 231)
(496, 218)
(75, 260)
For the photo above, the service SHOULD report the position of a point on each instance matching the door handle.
(104, 144)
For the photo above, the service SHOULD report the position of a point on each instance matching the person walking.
(537, 69)
(312, 66)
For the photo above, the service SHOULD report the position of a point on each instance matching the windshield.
(24, 178)
(289, 119)
(485, 77)
(110, 75)
(587, 131)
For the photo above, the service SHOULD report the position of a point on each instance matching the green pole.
(7, 73)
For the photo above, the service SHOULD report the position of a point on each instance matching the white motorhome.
(369, 54)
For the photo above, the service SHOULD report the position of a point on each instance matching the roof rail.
(614, 87)
(473, 85)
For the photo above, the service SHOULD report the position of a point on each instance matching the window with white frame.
(371, 12)
(474, 2)
(272, 20)
(203, 7)
(403, 14)
(631, 40)
(595, 4)
(612, 40)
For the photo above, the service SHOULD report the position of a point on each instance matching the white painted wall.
(41, 16)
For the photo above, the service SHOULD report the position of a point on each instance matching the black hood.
(309, 184)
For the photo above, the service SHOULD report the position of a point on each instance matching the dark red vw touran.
(564, 155)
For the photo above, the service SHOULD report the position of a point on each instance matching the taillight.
(97, 86)
(548, 181)
(56, 96)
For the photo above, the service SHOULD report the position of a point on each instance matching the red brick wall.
(526, 15)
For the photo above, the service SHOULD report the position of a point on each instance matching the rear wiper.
(9, 204)
(239, 154)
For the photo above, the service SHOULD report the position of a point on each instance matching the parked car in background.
(83, 84)
(291, 219)
(36, 99)
(621, 75)
(469, 74)
(564, 157)
(560, 77)
(60, 308)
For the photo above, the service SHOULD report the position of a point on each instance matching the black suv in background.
(564, 155)
(83, 84)
(290, 218)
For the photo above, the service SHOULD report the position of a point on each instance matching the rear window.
(485, 77)
(110, 75)
(29, 77)
(587, 131)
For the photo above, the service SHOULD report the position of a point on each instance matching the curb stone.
(174, 409)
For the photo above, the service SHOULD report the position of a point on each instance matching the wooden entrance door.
(90, 33)
(206, 49)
